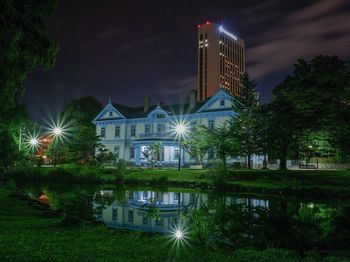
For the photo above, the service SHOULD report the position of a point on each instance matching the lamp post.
(56, 132)
(180, 129)
(33, 143)
(22, 130)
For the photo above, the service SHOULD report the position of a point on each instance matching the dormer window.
(222, 102)
(160, 115)
(110, 113)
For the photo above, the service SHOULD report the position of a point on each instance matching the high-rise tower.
(221, 61)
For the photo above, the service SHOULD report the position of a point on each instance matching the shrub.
(121, 170)
(68, 174)
(163, 181)
(218, 175)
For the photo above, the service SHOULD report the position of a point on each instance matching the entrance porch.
(169, 153)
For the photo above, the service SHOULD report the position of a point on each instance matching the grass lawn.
(327, 182)
(287, 182)
(25, 235)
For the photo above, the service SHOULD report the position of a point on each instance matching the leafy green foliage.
(244, 126)
(314, 100)
(82, 146)
(83, 141)
(121, 170)
(152, 153)
(197, 145)
(103, 155)
(219, 175)
(221, 141)
(81, 112)
(25, 44)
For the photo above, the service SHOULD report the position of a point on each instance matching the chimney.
(147, 103)
(193, 99)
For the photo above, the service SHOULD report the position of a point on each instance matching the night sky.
(129, 49)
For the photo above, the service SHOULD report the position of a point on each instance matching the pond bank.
(274, 182)
(26, 234)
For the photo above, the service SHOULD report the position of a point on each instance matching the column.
(137, 154)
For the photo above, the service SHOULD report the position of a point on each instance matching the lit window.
(132, 153)
(145, 220)
(133, 131)
(116, 151)
(147, 129)
(145, 195)
(117, 131)
(211, 124)
(114, 213)
(160, 128)
(176, 153)
(131, 216)
(103, 132)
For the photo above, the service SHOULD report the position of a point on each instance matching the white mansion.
(129, 131)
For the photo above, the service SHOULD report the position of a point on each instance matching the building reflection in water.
(133, 213)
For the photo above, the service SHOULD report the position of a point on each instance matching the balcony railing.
(157, 135)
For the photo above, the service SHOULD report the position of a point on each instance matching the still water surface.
(231, 220)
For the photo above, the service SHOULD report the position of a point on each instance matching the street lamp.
(180, 129)
(33, 142)
(57, 132)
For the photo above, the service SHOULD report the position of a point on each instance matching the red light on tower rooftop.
(208, 23)
(198, 26)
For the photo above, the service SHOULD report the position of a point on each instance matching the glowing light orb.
(57, 131)
(178, 234)
(180, 129)
(33, 141)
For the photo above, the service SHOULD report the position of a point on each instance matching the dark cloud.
(319, 28)
(140, 43)
(109, 32)
(178, 86)
(127, 50)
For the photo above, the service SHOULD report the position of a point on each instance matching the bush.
(218, 175)
(162, 181)
(121, 170)
(68, 174)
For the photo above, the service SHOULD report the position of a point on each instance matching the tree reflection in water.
(210, 220)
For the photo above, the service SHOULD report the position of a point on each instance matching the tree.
(316, 97)
(244, 127)
(25, 44)
(285, 126)
(84, 141)
(197, 145)
(220, 140)
(103, 155)
(82, 111)
(152, 153)
(82, 147)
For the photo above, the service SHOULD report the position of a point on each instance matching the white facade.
(127, 132)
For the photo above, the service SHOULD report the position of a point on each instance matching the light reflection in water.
(161, 212)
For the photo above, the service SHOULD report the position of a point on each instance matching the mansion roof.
(176, 109)
(113, 111)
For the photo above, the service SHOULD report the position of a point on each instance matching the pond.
(230, 220)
